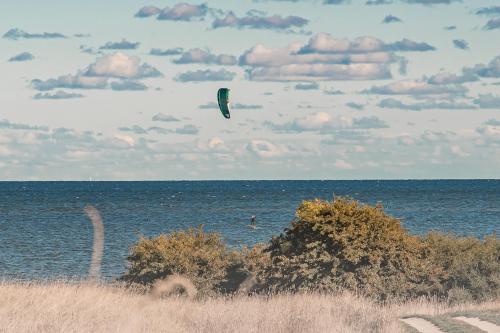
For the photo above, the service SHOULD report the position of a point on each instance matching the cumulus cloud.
(187, 129)
(319, 72)
(15, 34)
(122, 45)
(325, 43)
(121, 65)
(458, 151)
(342, 164)
(450, 78)
(416, 87)
(327, 58)
(265, 149)
(134, 129)
(492, 69)
(199, 56)
(164, 117)
(356, 106)
(183, 12)
(307, 86)
(489, 11)
(488, 101)
(493, 24)
(96, 76)
(391, 103)
(489, 134)
(461, 44)
(263, 56)
(128, 85)
(391, 19)
(239, 106)
(492, 122)
(60, 94)
(333, 92)
(70, 82)
(167, 52)
(205, 75)
(5, 124)
(147, 11)
(274, 22)
(323, 122)
(160, 130)
(215, 142)
(24, 56)
(209, 105)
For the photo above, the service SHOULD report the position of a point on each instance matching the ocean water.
(44, 233)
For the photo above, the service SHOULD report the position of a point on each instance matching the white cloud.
(183, 12)
(199, 56)
(112, 66)
(457, 150)
(325, 43)
(320, 72)
(266, 149)
(324, 122)
(327, 58)
(416, 87)
(341, 164)
(121, 65)
(126, 139)
(215, 142)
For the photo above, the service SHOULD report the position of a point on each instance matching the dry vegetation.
(347, 267)
(80, 307)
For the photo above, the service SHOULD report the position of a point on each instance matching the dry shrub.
(472, 266)
(346, 245)
(201, 257)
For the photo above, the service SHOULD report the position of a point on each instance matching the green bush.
(201, 257)
(346, 245)
(472, 266)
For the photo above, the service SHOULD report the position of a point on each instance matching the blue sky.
(123, 90)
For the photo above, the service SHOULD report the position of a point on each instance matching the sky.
(319, 89)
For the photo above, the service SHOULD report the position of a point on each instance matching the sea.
(45, 234)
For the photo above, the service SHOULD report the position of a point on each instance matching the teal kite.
(223, 99)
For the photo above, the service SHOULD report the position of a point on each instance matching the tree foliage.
(344, 244)
(199, 256)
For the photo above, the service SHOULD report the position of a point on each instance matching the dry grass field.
(82, 307)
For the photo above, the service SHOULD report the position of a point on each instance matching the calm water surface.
(45, 234)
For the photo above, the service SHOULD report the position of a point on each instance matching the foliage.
(330, 246)
(472, 266)
(346, 245)
(201, 257)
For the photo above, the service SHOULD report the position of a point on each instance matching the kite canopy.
(223, 99)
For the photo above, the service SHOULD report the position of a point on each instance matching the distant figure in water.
(253, 223)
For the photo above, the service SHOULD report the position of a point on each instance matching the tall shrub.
(472, 266)
(201, 257)
(344, 244)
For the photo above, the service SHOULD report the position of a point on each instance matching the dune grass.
(84, 307)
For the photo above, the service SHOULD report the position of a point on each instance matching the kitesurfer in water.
(253, 222)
